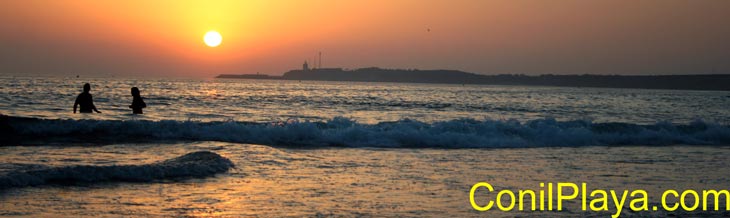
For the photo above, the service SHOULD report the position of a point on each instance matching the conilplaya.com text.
(552, 196)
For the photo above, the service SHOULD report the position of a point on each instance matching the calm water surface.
(272, 100)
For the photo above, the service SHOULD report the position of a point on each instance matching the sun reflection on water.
(275, 182)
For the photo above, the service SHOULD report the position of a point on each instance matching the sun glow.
(212, 38)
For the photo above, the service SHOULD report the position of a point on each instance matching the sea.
(287, 148)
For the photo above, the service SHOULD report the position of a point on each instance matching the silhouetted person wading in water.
(137, 102)
(85, 101)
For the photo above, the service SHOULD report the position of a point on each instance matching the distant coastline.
(373, 74)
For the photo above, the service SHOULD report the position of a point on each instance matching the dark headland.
(373, 74)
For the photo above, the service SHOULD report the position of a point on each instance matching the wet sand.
(357, 182)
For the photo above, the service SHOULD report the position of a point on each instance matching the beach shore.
(369, 182)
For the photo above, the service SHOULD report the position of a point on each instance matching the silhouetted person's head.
(135, 91)
(87, 87)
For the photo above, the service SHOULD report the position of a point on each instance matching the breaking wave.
(196, 164)
(462, 133)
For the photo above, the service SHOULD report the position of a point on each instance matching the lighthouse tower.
(305, 66)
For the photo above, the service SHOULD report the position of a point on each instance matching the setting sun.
(377, 108)
(212, 38)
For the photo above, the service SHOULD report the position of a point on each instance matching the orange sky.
(164, 38)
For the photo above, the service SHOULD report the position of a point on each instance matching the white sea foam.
(463, 133)
(196, 164)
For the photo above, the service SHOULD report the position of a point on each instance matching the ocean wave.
(339, 131)
(196, 164)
